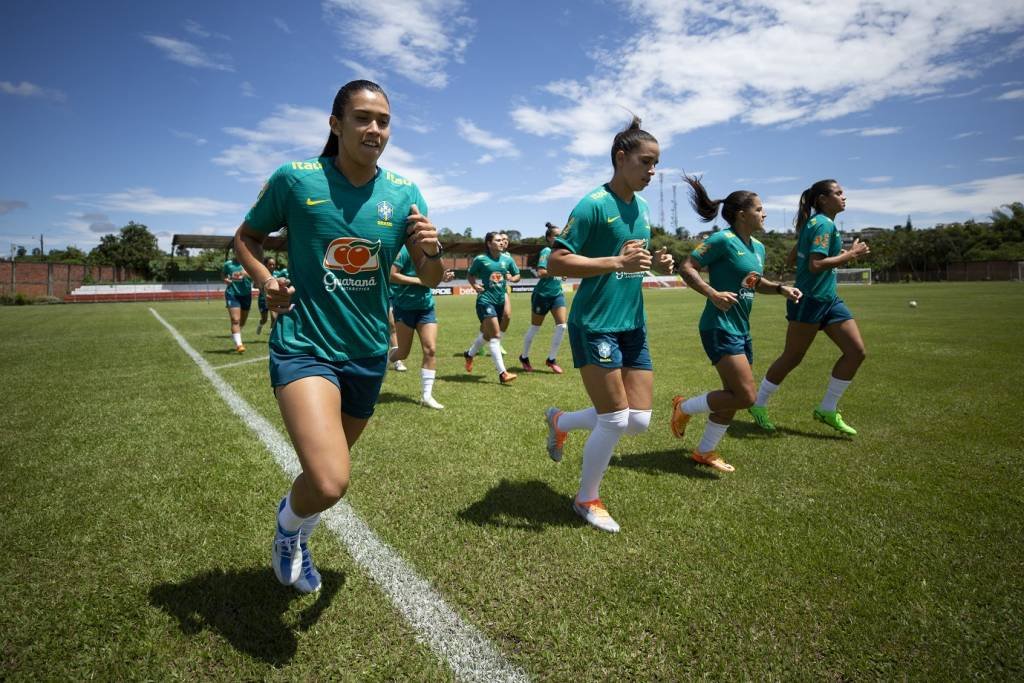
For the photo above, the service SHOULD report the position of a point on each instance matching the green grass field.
(138, 509)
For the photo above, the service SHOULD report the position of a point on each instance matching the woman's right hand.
(478, 287)
(634, 258)
(279, 294)
(723, 301)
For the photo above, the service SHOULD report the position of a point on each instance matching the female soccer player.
(237, 298)
(735, 262)
(605, 243)
(413, 310)
(818, 252)
(487, 275)
(506, 312)
(547, 296)
(347, 220)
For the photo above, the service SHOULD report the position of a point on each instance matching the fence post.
(49, 279)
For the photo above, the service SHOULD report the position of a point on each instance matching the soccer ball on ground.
(913, 304)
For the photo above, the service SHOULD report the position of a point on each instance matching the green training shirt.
(547, 286)
(729, 260)
(410, 297)
(342, 241)
(819, 236)
(241, 283)
(599, 226)
(492, 274)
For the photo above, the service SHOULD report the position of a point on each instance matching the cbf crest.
(604, 352)
(384, 213)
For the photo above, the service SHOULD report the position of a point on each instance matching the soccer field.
(139, 508)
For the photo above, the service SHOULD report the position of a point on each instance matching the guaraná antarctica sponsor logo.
(351, 255)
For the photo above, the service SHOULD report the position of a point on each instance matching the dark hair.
(338, 109)
(629, 138)
(809, 200)
(707, 208)
(268, 259)
(489, 237)
(551, 227)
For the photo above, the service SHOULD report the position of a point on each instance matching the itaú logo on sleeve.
(352, 255)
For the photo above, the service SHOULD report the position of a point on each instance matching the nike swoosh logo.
(612, 220)
(310, 202)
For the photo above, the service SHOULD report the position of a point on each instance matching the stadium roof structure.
(279, 242)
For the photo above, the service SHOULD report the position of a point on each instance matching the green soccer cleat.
(834, 420)
(760, 416)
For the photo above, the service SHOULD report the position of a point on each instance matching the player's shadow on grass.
(672, 461)
(247, 608)
(391, 397)
(526, 505)
(463, 377)
(745, 430)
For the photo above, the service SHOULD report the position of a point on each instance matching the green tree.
(138, 248)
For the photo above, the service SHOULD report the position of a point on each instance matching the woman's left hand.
(422, 232)
(664, 262)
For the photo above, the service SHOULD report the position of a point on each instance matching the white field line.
(241, 362)
(462, 646)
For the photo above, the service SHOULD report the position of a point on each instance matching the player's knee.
(330, 489)
(746, 396)
(639, 421)
(616, 421)
(857, 354)
(429, 351)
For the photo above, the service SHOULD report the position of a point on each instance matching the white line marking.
(241, 362)
(464, 648)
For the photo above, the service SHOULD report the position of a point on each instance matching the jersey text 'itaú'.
(342, 241)
(729, 261)
(547, 286)
(599, 226)
(819, 236)
(410, 297)
(492, 273)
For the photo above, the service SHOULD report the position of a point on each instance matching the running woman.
(347, 220)
(547, 297)
(735, 263)
(413, 309)
(237, 298)
(488, 275)
(506, 312)
(271, 263)
(818, 253)
(605, 243)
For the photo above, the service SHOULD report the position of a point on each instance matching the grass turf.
(139, 509)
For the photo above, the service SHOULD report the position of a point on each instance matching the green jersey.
(729, 261)
(241, 283)
(492, 274)
(410, 297)
(281, 272)
(547, 286)
(599, 226)
(819, 236)
(342, 241)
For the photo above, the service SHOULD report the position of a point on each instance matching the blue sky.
(173, 114)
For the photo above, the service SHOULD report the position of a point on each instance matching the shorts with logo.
(359, 380)
(232, 300)
(718, 343)
(610, 350)
(824, 313)
(484, 311)
(414, 318)
(542, 304)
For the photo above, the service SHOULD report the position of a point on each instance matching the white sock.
(427, 379)
(580, 419)
(495, 346)
(639, 421)
(286, 517)
(391, 353)
(528, 339)
(556, 341)
(309, 526)
(474, 348)
(597, 452)
(696, 405)
(765, 392)
(835, 390)
(237, 337)
(713, 433)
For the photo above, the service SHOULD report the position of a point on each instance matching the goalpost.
(853, 276)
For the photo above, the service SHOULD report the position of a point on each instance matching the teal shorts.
(359, 380)
(822, 313)
(484, 311)
(541, 305)
(414, 318)
(610, 350)
(718, 343)
(232, 300)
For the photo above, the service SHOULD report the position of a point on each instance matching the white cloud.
(1019, 138)
(496, 146)
(189, 54)
(247, 89)
(578, 176)
(966, 134)
(863, 132)
(191, 137)
(360, 70)
(26, 89)
(877, 179)
(196, 29)
(713, 152)
(998, 160)
(413, 38)
(145, 201)
(8, 205)
(1012, 95)
(767, 181)
(281, 24)
(690, 64)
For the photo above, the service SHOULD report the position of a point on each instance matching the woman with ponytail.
(606, 244)
(347, 220)
(735, 263)
(547, 297)
(818, 253)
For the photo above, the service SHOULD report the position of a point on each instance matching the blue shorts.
(414, 318)
(541, 305)
(262, 303)
(718, 343)
(822, 313)
(232, 300)
(484, 311)
(610, 350)
(359, 380)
